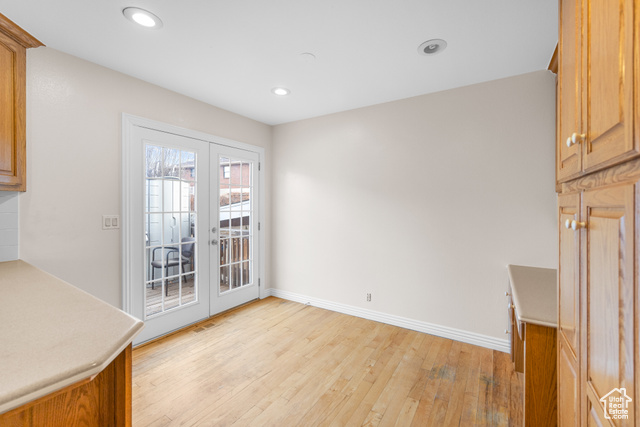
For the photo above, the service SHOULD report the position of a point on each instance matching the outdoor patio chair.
(172, 258)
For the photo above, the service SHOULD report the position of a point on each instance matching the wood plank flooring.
(280, 363)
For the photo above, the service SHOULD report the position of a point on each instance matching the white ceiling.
(230, 53)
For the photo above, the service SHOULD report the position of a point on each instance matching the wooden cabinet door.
(608, 104)
(14, 42)
(12, 113)
(568, 274)
(568, 394)
(608, 341)
(568, 311)
(569, 95)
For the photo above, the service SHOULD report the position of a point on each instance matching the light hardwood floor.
(279, 363)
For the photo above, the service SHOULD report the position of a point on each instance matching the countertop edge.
(59, 385)
(517, 302)
(75, 369)
(535, 322)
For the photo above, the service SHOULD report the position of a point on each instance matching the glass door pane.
(171, 273)
(235, 218)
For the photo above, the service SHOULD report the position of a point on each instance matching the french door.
(192, 245)
(235, 229)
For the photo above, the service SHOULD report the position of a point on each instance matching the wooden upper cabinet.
(608, 104)
(595, 86)
(13, 44)
(569, 96)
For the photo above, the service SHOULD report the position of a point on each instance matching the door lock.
(213, 230)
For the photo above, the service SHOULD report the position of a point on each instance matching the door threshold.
(194, 325)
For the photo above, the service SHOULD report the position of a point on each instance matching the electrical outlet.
(368, 297)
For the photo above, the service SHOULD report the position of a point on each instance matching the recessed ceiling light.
(308, 57)
(142, 17)
(280, 91)
(431, 47)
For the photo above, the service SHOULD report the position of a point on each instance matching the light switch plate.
(110, 222)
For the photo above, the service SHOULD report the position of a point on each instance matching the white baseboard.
(415, 325)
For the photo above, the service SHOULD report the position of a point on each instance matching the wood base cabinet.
(540, 376)
(598, 297)
(533, 332)
(95, 402)
(603, 247)
(607, 301)
(568, 386)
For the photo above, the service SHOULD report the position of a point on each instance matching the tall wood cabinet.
(598, 178)
(14, 42)
(568, 312)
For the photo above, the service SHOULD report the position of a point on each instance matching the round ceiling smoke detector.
(432, 47)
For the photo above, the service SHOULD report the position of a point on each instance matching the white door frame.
(128, 190)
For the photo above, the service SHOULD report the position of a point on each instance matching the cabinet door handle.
(575, 138)
(575, 225)
(578, 138)
(567, 224)
(569, 142)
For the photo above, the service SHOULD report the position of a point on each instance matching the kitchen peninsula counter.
(55, 337)
(533, 322)
(535, 294)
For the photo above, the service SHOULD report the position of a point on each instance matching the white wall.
(74, 162)
(9, 226)
(422, 202)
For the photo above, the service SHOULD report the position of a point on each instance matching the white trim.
(128, 119)
(403, 322)
(126, 214)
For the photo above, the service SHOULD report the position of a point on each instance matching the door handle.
(214, 242)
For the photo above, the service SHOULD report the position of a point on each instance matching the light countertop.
(535, 294)
(53, 334)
